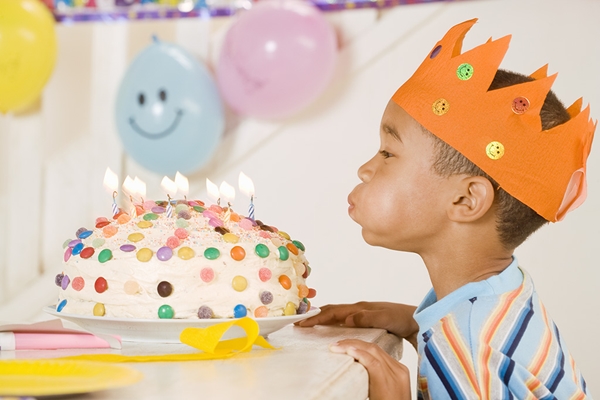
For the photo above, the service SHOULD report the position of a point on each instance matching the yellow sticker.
(440, 106)
(494, 150)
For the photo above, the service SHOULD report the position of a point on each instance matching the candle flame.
(128, 186)
(168, 186)
(227, 192)
(246, 185)
(212, 189)
(183, 185)
(111, 181)
(140, 187)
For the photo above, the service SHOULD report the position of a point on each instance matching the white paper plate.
(168, 330)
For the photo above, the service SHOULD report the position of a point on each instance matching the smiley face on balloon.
(155, 111)
(168, 112)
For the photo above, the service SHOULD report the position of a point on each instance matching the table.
(303, 368)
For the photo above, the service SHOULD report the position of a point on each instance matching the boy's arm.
(388, 379)
(395, 318)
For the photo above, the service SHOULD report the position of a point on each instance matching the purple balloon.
(276, 59)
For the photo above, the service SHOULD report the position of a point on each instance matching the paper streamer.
(208, 340)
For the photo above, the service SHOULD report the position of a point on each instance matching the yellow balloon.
(27, 52)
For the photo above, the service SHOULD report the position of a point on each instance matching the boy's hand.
(395, 318)
(388, 379)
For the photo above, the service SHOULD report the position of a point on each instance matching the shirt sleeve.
(521, 358)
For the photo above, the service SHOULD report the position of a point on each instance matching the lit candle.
(128, 185)
(111, 183)
(183, 185)
(247, 187)
(213, 191)
(228, 194)
(170, 189)
(140, 188)
(129, 189)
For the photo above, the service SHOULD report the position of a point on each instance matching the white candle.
(251, 208)
(111, 184)
(170, 189)
(247, 187)
(228, 195)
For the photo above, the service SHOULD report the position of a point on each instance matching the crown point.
(540, 73)
(575, 108)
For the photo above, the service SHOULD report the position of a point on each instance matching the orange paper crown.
(500, 130)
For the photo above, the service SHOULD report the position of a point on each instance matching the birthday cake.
(184, 260)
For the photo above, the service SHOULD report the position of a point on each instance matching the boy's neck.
(454, 269)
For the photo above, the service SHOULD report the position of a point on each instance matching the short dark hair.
(515, 221)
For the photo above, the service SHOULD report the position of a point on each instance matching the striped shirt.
(493, 339)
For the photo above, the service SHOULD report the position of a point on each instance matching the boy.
(472, 161)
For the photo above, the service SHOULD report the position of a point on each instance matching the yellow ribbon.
(208, 340)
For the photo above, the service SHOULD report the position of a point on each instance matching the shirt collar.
(430, 311)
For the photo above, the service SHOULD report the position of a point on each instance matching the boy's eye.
(385, 154)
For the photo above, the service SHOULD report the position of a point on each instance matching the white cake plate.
(168, 330)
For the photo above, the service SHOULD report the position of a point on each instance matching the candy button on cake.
(200, 262)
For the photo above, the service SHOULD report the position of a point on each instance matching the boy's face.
(400, 202)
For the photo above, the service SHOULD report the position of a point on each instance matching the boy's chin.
(370, 238)
(376, 240)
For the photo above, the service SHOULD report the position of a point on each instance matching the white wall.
(303, 167)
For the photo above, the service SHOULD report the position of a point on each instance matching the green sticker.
(464, 71)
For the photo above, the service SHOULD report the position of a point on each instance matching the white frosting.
(189, 291)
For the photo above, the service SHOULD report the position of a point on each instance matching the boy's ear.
(473, 198)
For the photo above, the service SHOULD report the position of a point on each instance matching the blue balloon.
(169, 113)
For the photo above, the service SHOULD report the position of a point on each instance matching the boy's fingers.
(362, 351)
(368, 319)
(371, 356)
(383, 319)
(366, 356)
(388, 379)
(330, 314)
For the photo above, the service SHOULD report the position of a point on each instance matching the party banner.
(67, 11)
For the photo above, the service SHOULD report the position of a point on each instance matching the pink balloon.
(276, 59)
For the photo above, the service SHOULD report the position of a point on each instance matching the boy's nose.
(365, 172)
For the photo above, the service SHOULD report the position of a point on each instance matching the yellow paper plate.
(61, 377)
